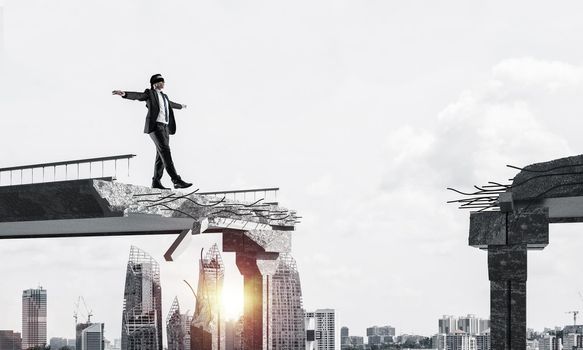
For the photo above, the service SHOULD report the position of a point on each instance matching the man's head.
(157, 82)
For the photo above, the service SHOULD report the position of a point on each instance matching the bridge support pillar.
(507, 236)
(253, 302)
(255, 264)
(507, 271)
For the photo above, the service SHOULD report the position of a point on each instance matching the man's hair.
(156, 78)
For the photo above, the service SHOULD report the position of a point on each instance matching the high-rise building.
(34, 318)
(186, 321)
(447, 324)
(572, 341)
(177, 328)
(550, 342)
(469, 324)
(233, 332)
(438, 341)
(311, 336)
(142, 307)
(92, 337)
(459, 340)
(286, 315)
(483, 341)
(10, 340)
(79, 327)
(208, 330)
(344, 338)
(344, 332)
(321, 329)
(484, 326)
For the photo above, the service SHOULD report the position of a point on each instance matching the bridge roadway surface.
(96, 207)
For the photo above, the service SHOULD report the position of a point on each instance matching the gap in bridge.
(555, 279)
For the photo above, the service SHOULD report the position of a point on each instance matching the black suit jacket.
(151, 98)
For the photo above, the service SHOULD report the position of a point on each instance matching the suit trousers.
(161, 139)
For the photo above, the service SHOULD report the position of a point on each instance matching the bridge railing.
(267, 195)
(88, 168)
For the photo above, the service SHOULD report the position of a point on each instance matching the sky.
(362, 112)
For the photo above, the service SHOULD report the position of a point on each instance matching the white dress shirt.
(163, 111)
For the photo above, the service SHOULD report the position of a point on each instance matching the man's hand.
(118, 92)
(183, 106)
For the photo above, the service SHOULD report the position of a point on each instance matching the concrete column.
(507, 236)
(507, 271)
(255, 264)
(253, 302)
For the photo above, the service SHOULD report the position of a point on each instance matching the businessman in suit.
(160, 124)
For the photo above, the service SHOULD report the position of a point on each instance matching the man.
(160, 124)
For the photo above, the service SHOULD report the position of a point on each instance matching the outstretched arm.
(176, 105)
(130, 95)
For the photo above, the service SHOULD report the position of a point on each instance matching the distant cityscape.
(289, 326)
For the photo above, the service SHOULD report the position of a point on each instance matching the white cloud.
(491, 125)
(538, 74)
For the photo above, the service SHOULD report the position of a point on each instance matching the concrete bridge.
(255, 231)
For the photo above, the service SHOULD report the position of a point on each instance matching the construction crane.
(89, 313)
(575, 313)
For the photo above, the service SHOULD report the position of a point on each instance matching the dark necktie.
(165, 106)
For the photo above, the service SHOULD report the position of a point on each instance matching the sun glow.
(232, 303)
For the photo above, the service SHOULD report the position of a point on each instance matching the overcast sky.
(362, 112)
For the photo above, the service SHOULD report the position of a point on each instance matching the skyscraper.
(321, 329)
(79, 327)
(286, 315)
(177, 328)
(10, 340)
(92, 337)
(34, 318)
(207, 323)
(142, 308)
(447, 324)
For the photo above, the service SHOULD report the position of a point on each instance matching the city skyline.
(466, 331)
(361, 112)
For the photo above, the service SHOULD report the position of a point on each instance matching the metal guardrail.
(269, 194)
(54, 165)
